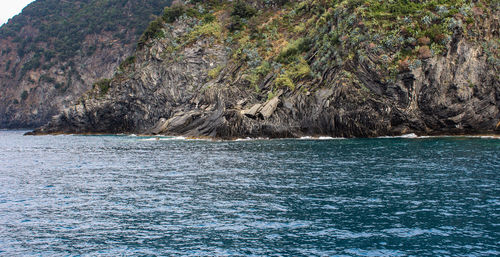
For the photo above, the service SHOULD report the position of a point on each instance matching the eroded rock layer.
(202, 77)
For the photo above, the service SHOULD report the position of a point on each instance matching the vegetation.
(54, 31)
(384, 35)
(214, 73)
(212, 29)
(127, 63)
(103, 86)
(170, 14)
(297, 39)
(175, 12)
(154, 30)
(24, 95)
(240, 12)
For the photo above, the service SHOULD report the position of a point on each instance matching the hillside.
(55, 50)
(348, 68)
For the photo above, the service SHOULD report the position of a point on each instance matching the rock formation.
(55, 50)
(193, 80)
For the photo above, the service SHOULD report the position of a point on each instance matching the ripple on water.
(134, 195)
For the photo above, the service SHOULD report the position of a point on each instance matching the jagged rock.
(269, 107)
(179, 121)
(241, 102)
(252, 112)
(59, 77)
(159, 127)
(454, 93)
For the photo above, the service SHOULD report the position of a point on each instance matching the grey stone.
(446, 95)
(269, 107)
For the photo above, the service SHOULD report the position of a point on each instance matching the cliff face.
(55, 50)
(207, 74)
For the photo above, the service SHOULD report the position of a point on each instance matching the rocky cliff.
(287, 69)
(55, 50)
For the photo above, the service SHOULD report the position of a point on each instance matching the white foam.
(244, 139)
(490, 137)
(406, 136)
(330, 138)
(162, 138)
(411, 135)
(149, 139)
(251, 139)
(172, 138)
(320, 138)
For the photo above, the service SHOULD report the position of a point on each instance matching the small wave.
(149, 139)
(244, 139)
(462, 136)
(490, 137)
(250, 139)
(320, 138)
(406, 136)
(330, 138)
(411, 135)
(300, 138)
(162, 138)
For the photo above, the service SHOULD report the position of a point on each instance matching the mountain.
(351, 68)
(55, 50)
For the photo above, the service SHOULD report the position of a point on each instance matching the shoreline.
(237, 139)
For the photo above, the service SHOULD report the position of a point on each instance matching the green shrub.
(32, 64)
(103, 85)
(263, 69)
(170, 14)
(283, 80)
(24, 95)
(292, 50)
(7, 66)
(47, 78)
(243, 10)
(154, 30)
(299, 70)
(270, 95)
(214, 73)
(240, 13)
(127, 62)
(208, 18)
(236, 24)
(58, 86)
(212, 29)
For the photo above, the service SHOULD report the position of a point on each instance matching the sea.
(127, 195)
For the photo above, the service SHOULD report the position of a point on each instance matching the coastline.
(491, 135)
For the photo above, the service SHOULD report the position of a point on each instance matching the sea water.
(146, 196)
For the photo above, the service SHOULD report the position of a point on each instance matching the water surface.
(125, 195)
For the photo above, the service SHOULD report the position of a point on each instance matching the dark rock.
(453, 94)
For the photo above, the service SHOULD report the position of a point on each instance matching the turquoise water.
(134, 196)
